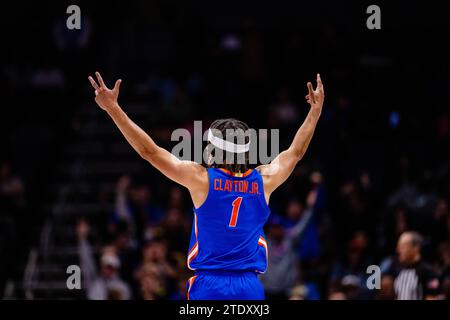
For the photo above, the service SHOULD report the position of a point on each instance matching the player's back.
(227, 232)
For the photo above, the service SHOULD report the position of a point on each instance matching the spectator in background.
(348, 274)
(440, 225)
(152, 284)
(394, 223)
(176, 198)
(299, 292)
(310, 247)
(106, 284)
(12, 189)
(135, 207)
(125, 249)
(122, 212)
(282, 274)
(354, 208)
(156, 268)
(407, 191)
(176, 230)
(409, 277)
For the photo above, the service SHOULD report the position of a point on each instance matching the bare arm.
(187, 173)
(275, 173)
(86, 255)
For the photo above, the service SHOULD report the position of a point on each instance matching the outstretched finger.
(310, 91)
(100, 80)
(319, 82)
(117, 85)
(93, 83)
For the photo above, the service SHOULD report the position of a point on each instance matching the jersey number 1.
(235, 212)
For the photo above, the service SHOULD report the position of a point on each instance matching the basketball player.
(228, 247)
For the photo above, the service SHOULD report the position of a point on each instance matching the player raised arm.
(275, 173)
(187, 173)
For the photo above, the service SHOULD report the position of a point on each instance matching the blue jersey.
(227, 232)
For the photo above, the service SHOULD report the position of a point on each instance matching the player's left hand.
(106, 98)
(316, 97)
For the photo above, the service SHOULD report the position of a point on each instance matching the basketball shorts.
(224, 285)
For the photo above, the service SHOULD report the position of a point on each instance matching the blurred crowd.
(311, 254)
(373, 188)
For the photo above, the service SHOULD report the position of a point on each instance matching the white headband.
(227, 145)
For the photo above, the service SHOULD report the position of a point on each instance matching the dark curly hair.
(234, 166)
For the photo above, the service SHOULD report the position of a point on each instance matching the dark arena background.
(74, 194)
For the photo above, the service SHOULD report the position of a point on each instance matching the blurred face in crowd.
(294, 210)
(347, 188)
(364, 179)
(108, 271)
(359, 241)
(441, 210)
(174, 218)
(141, 195)
(121, 241)
(176, 197)
(444, 253)
(109, 266)
(155, 252)
(5, 171)
(407, 251)
(401, 224)
(276, 233)
(298, 293)
(337, 296)
(387, 291)
(356, 247)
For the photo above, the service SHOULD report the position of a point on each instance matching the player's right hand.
(106, 98)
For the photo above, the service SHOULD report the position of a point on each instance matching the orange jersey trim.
(262, 242)
(246, 173)
(194, 250)
(191, 282)
(192, 254)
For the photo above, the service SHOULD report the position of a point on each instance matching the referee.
(407, 274)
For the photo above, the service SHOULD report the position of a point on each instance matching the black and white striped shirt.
(413, 282)
(407, 286)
